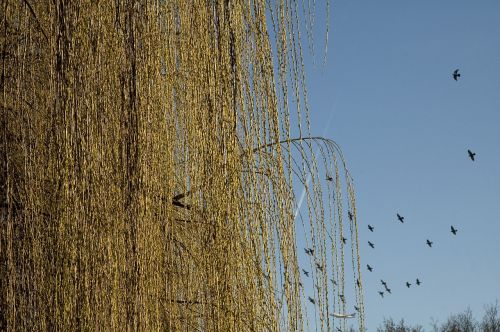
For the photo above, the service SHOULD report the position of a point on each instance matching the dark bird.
(309, 251)
(388, 290)
(319, 267)
(369, 268)
(358, 283)
(383, 282)
(333, 282)
(429, 243)
(371, 244)
(311, 300)
(305, 272)
(329, 178)
(338, 329)
(471, 154)
(418, 282)
(453, 230)
(344, 240)
(350, 215)
(456, 75)
(408, 284)
(381, 293)
(370, 227)
(400, 218)
(356, 308)
(300, 284)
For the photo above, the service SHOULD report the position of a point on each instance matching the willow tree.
(148, 170)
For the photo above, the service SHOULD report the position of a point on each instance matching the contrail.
(303, 195)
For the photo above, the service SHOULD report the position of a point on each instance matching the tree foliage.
(390, 326)
(148, 167)
(460, 322)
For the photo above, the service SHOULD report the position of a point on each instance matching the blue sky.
(404, 126)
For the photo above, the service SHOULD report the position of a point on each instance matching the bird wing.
(337, 315)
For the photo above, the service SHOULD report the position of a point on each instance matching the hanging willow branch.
(148, 176)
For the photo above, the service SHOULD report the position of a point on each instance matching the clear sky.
(404, 126)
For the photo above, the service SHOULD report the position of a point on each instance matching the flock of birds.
(429, 243)
(401, 219)
(309, 251)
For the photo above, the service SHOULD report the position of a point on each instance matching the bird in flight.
(400, 218)
(381, 293)
(471, 154)
(333, 282)
(456, 75)
(408, 284)
(453, 230)
(370, 227)
(305, 272)
(344, 240)
(338, 329)
(309, 251)
(369, 267)
(371, 244)
(329, 178)
(358, 283)
(319, 267)
(356, 308)
(383, 282)
(350, 215)
(418, 282)
(311, 300)
(429, 243)
(388, 290)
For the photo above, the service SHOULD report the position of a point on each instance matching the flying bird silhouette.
(344, 240)
(388, 290)
(319, 267)
(329, 178)
(333, 282)
(381, 293)
(369, 268)
(370, 227)
(400, 218)
(418, 282)
(408, 284)
(350, 215)
(429, 243)
(305, 272)
(383, 282)
(471, 154)
(371, 244)
(456, 75)
(356, 308)
(338, 329)
(309, 251)
(311, 300)
(453, 230)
